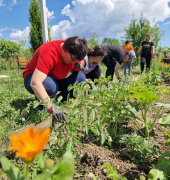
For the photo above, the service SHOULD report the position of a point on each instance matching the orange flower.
(29, 143)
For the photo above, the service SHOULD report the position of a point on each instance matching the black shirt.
(114, 52)
(146, 50)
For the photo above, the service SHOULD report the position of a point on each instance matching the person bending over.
(51, 69)
(113, 59)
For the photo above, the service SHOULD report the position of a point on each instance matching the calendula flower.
(72, 100)
(30, 143)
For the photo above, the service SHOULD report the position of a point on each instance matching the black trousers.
(110, 64)
(94, 74)
(145, 60)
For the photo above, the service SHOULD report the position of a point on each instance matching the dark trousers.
(52, 87)
(94, 74)
(110, 64)
(145, 60)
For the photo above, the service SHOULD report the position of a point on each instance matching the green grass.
(13, 99)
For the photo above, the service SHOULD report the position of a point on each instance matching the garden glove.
(120, 79)
(153, 55)
(58, 114)
(79, 66)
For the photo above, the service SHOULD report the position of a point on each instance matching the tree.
(111, 41)
(95, 40)
(8, 47)
(36, 39)
(138, 29)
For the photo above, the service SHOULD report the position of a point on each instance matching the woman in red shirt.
(51, 68)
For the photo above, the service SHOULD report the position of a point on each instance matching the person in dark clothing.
(147, 48)
(114, 58)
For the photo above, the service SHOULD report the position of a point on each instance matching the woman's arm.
(117, 69)
(140, 49)
(153, 49)
(37, 85)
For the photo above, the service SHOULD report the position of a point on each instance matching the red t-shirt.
(47, 60)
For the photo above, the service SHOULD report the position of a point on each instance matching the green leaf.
(163, 165)
(41, 160)
(166, 154)
(168, 133)
(64, 169)
(103, 137)
(93, 116)
(94, 130)
(12, 172)
(86, 115)
(165, 120)
(43, 176)
(36, 104)
(144, 96)
(87, 130)
(155, 174)
(77, 140)
(75, 112)
(163, 105)
(59, 99)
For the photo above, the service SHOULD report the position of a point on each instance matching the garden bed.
(94, 156)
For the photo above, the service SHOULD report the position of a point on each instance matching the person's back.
(116, 52)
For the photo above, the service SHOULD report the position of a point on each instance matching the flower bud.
(49, 163)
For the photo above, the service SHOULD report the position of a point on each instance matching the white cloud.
(7, 29)
(50, 15)
(167, 23)
(1, 3)
(106, 17)
(14, 2)
(21, 35)
(11, 4)
(4, 29)
(0, 34)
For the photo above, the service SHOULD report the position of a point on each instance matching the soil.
(94, 156)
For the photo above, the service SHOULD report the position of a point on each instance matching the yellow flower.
(30, 143)
(72, 100)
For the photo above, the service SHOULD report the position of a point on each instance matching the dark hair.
(127, 41)
(76, 46)
(98, 50)
(164, 53)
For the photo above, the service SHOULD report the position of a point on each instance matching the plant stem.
(27, 171)
(146, 126)
(155, 119)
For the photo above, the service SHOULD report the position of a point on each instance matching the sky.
(84, 17)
